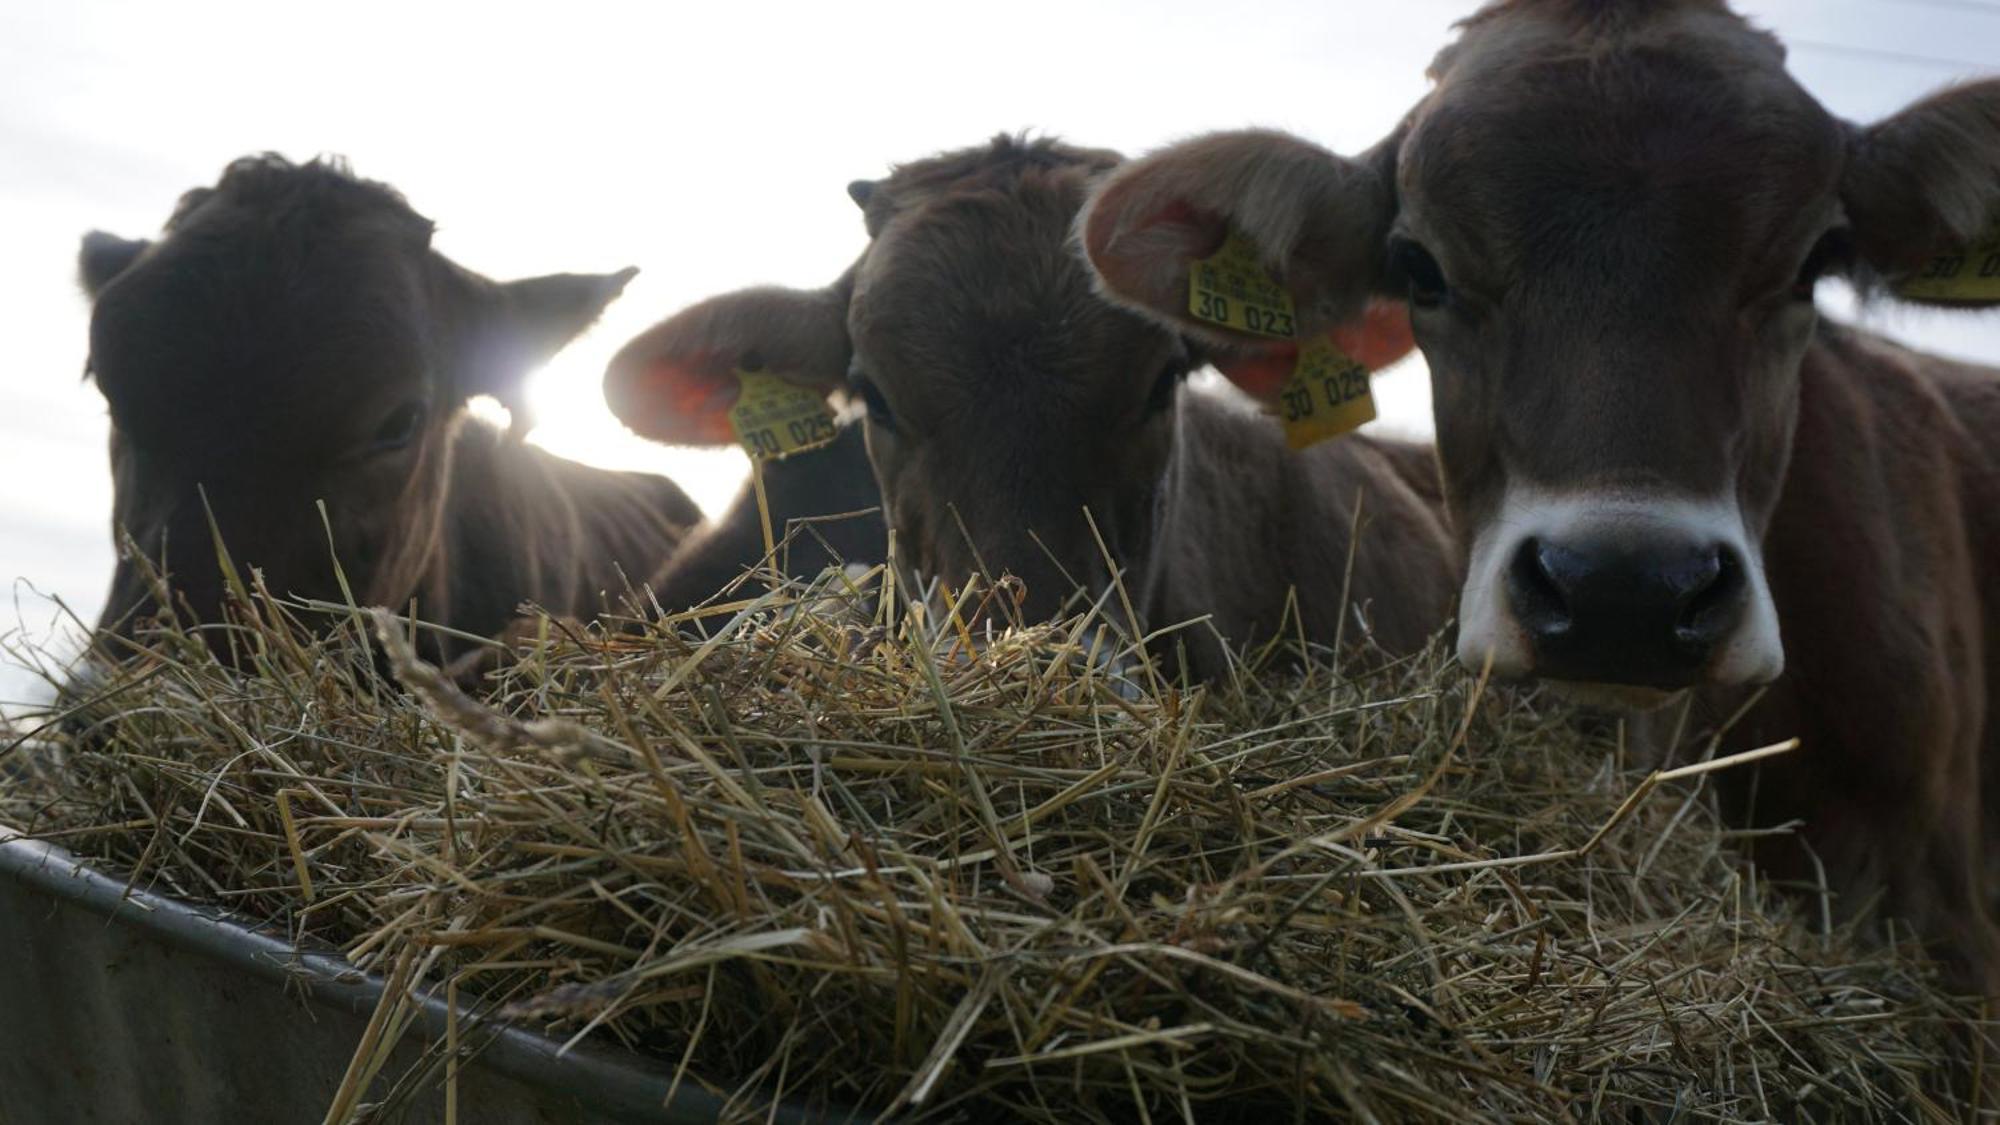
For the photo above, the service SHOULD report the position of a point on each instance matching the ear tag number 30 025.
(774, 418)
(1327, 393)
(1326, 396)
(1971, 274)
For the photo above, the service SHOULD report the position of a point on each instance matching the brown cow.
(1004, 397)
(824, 510)
(293, 338)
(1607, 220)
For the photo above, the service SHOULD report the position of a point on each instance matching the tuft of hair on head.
(1000, 163)
(272, 180)
(1589, 15)
(1589, 19)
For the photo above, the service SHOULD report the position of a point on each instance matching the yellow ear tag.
(1327, 395)
(1971, 274)
(774, 418)
(1232, 288)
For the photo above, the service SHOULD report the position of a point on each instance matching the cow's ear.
(539, 316)
(676, 381)
(1377, 338)
(1925, 184)
(523, 324)
(1319, 222)
(102, 257)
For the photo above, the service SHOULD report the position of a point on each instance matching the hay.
(838, 853)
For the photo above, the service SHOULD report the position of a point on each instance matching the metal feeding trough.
(122, 1006)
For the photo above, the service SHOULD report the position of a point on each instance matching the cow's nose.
(1618, 611)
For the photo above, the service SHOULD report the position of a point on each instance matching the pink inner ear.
(681, 401)
(1260, 373)
(1380, 337)
(1148, 262)
(1206, 231)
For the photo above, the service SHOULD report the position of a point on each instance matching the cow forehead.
(959, 261)
(219, 337)
(1546, 139)
(982, 293)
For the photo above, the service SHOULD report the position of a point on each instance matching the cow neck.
(496, 534)
(1867, 598)
(1168, 500)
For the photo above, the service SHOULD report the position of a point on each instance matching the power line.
(1906, 58)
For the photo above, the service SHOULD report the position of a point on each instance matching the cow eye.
(1833, 250)
(1418, 272)
(399, 429)
(871, 397)
(1165, 384)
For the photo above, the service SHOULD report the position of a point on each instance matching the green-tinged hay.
(848, 853)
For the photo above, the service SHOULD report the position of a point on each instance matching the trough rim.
(609, 1080)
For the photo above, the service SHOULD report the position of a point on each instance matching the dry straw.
(825, 846)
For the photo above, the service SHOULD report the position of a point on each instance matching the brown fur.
(1621, 198)
(1006, 397)
(1593, 17)
(824, 509)
(1884, 556)
(293, 340)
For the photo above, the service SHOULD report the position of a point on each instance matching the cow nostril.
(1709, 604)
(1536, 590)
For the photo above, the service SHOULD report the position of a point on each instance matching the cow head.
(293, 339)
(1003, 395)
(1606, 221)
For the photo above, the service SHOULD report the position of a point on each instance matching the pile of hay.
(827, 848)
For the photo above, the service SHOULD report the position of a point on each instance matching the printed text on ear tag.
(774, 418)
(1327, 395)
(1232, 288)
(1971, 274)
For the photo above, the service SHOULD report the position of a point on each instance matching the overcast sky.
(707, 144)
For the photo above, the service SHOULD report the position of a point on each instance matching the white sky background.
(708, 144)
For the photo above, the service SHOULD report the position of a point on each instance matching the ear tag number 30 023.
(1327, 393)
(774, 418)
(1971, 274)
(1232, 288)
